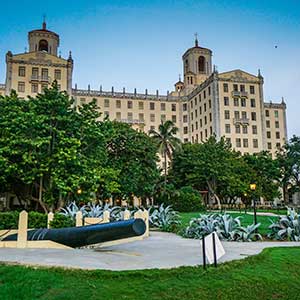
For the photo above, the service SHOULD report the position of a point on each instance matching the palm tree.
(166, 141)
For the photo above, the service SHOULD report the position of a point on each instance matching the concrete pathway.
(160, 250)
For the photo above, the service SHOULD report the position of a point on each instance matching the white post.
(22, 230)
(78, 218)
(126, 214)
(50, 218)
(106, 217)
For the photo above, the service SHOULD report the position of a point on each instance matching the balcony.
(241, 121)
(132, 121)
(242, 94)
(42, 78)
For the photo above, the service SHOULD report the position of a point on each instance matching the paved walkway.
(160, 250)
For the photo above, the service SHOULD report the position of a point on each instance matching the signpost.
(212, 249)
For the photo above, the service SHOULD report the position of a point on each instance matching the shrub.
(10, 220)
(187, 200)
(286, 228)
(61, 221)
(164, 218)
(226, 227)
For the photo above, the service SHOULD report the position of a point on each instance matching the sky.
(139, 44)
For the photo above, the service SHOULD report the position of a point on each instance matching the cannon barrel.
(87, 235)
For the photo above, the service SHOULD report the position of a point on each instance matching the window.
(129, 104)
(192, 127)
(225, 87)
(236, 101)
(268, 134)
(277, 135)
(243, 102)
(192, 104)
(185, 140)
(201, 64)
(106, 114)
(192, 116)
(209, 103)
(276, 113)
(82, 101)
(22, 71)
(268, 124)
(152, 117)
(34, 88)
(43, 45)
(255, 143)
(200, 122)
(141, 117)
(118, 116)
(278, 145)
(227, 128)
(196, 125)
(209, 90)
(254, 129)
(141, 105)
(245, 143)
(205, 133)
(174, 118)
(269, 146)
(238, 142)
(253, 104)
(276, 124)
(204, 107)
(245, 129)
(185, 130)
(163, 118)
(252, 89)
(237, 115)
(228, 141)
(21, 86)
(35, 73)
(129, 116)
(210, 130)
(106, 102)
(244, 115)
(205, 120)
(152, 105)
(118, 104)
(173, 107)
(242, 88)
(196, 113)
(267, 113)
(210, 117)
(237, 129)
(235, 87)
(184, 107)
(204, 94)
(163, 106)
(200, 110)
(253, 116)
(45, 86)
(185, 119)
(201, 135)
(57, 74)
(226, 101)
(152, 127)
(44, 74)
(227, 114)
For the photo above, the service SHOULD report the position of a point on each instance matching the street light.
(253, 188)
(79, 191)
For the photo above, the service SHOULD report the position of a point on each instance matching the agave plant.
(287, 227)
(248, 234)
(71, 210)
(226, 227)
(165, 218)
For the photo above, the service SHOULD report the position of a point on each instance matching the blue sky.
(139, 44)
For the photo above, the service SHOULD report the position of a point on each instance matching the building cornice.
(274, 105)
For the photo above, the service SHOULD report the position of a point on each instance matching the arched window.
(186, 65)
(43, 45)
(201, 64)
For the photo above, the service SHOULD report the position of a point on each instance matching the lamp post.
(253, 188)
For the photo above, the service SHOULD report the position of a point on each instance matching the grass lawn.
(245, 220)
(273, 274)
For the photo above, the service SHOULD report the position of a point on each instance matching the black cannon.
(87, 235)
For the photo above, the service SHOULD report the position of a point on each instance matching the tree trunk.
(165, 166)
(213, 192)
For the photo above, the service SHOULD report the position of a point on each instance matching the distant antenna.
(44, 21)
(196, 39)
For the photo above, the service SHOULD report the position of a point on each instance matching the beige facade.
(206, 102)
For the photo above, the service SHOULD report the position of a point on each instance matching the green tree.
(133, 153)
(289, 162)
(212, 166)
(166, 141)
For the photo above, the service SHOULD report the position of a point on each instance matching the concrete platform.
(161, 250)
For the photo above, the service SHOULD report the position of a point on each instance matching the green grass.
(273, 274)
(245, 220)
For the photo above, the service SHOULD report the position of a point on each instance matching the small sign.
(209, 249)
